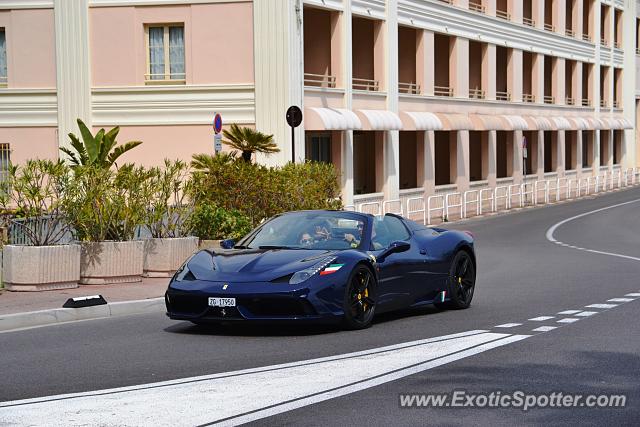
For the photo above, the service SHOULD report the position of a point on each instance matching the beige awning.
(579, 123)
(539, 123)
(420, 120)
(455, 121)
(516, 122)
(379, 120)
(330, 119)
(619, 123)
(560, 123)
(489, 122)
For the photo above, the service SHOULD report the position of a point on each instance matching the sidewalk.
(26, 309)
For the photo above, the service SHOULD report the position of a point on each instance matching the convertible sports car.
(325, 266)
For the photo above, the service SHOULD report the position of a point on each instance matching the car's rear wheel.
(359, 298)
(462, 282)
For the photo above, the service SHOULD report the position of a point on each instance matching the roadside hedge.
(258, 191)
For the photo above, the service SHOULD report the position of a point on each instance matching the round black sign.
(294, 116)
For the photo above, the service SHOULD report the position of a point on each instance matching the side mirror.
(395, 247)
(227, 244)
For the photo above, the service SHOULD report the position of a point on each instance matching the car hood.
(252, 265)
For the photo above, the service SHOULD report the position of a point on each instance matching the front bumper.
(263, 302)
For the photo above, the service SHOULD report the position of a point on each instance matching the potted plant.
(169, 244)
(40, 256)
(106, 208)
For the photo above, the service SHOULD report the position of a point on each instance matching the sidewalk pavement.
(27, 309)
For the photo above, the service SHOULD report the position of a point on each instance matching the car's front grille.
(188, 304)
(278, 307)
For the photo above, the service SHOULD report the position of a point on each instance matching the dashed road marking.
(620, 299)
(508, 325)
(601, 306)
(568, 320)
(570, 312)
(541, 318)
(633, 294)
(586, 313)
(544, 328)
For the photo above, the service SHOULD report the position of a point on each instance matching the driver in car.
(314, 234)
(355, 241)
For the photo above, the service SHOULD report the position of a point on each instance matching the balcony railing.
(569, 32)
(476, 94)
(3, 81)
(617, 44)
(528, 97)
(616, 104)
(586, 37)
(603, 103)
(503, 96)
(586, 102)
(443, 91)
(411, 88)
(366, 84)
(319, 80)
(476, 7)
(569, 100)
(164, 79)
(549, 99)
(503, 14)
(637, 53)
(447, 1)
(528, 21)
(604, 42)
(549, 27)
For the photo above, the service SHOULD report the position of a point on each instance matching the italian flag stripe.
(331, 269)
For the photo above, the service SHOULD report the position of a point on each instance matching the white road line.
(508, 325)
(545, 328)
(570, 312)
(568, 320)
(554, 227)
(241, 396)
(541, 318)
(634, 294)
(620, 299)
(601, 306)
(586, 313)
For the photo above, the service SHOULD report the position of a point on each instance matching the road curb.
(30, 319)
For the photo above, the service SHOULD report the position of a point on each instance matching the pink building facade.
(406, 97)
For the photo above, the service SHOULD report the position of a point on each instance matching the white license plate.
(222, 302)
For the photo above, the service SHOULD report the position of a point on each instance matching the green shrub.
(210, 222)
(104, 205)
(260, 192)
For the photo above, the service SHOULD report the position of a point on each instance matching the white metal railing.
(504, 189)
(392, 206)
(416, 205)
(470, 197)
(472, 202)
(430, 208)
(449, 205)
(528, 21)
(443, 91)
(490, 199)
(410, 88)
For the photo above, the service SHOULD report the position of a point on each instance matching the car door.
(395, 287)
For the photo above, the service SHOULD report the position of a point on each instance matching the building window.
(318, 148)
(5, 161)
(3, 58)
(165, 54)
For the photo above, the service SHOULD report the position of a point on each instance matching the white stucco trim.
(28, 108)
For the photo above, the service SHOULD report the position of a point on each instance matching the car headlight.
(302, 275)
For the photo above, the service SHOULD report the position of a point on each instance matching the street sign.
(294, 118)
(217, 142)
(217, 123)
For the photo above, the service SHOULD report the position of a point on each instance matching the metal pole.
(293, 144)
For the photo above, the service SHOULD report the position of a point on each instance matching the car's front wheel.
(462, 277)
(360, 298)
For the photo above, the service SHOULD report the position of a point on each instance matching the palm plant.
(249, 141)
(99, 150)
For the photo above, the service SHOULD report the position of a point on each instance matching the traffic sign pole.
(294, 118)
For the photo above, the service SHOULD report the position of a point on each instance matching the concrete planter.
(162, 257)
(41, 268)
(105, 263)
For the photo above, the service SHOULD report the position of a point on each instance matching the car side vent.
(283, 279)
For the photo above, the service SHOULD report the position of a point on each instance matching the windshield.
(308, 230)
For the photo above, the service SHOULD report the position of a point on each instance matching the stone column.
(537, 77)
(540, 154)
(489, 72)
(492, 158)
(557, 86)
(560, 153)
(517, 156)
(579, 154)
(537, 12)
(347, 140)
(514, 75)
(462, 160)
(392, 138)
(425, 61)
(458, 68)
(429, 163)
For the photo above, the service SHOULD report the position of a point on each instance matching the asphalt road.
(521, 276)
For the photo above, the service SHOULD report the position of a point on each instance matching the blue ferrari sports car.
(325, 266)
